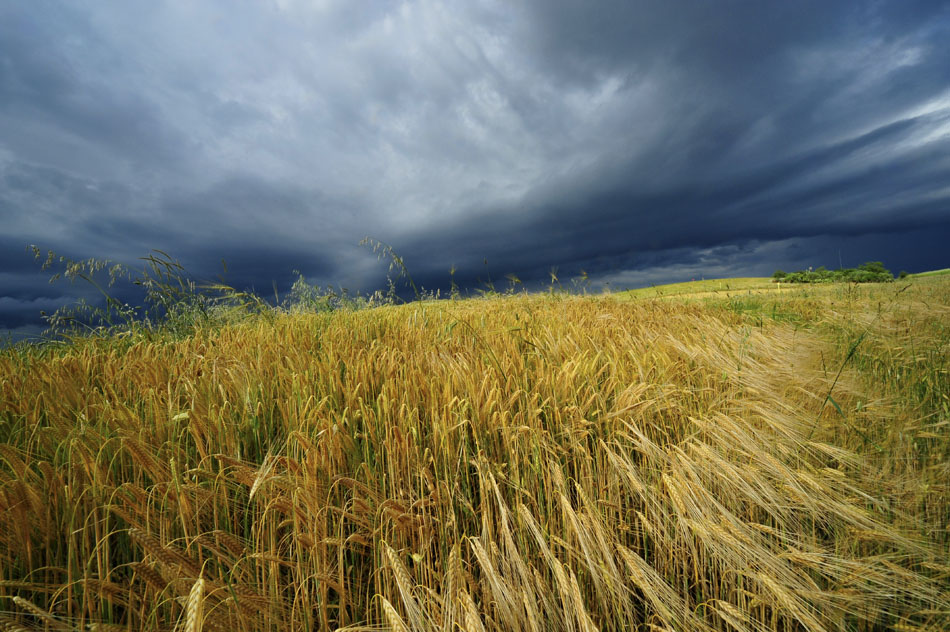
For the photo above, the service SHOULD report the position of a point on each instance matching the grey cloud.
(631, 139)
(773, 202)
(58, 85)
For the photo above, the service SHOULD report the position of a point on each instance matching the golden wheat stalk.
(9, 625)
(38, 612)
(193, 619)
(550, 464)
(392, 617)
(404, 583)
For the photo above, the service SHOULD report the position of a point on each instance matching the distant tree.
(876, 272)
(873, 266)
(779, 274)
(903, 274)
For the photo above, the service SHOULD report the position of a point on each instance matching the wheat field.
(517, 463)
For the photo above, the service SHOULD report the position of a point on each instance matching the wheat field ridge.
(744, 463)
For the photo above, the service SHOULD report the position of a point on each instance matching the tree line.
(869, 272)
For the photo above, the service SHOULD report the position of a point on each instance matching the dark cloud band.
(638, 142)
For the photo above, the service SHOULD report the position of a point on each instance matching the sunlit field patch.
(761, 462)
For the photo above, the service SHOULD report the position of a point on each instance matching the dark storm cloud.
(640, 142)
(770, 203)
(851, 106)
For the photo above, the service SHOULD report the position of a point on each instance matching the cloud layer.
(636, 141)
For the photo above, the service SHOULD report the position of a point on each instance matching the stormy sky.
(643, 142)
